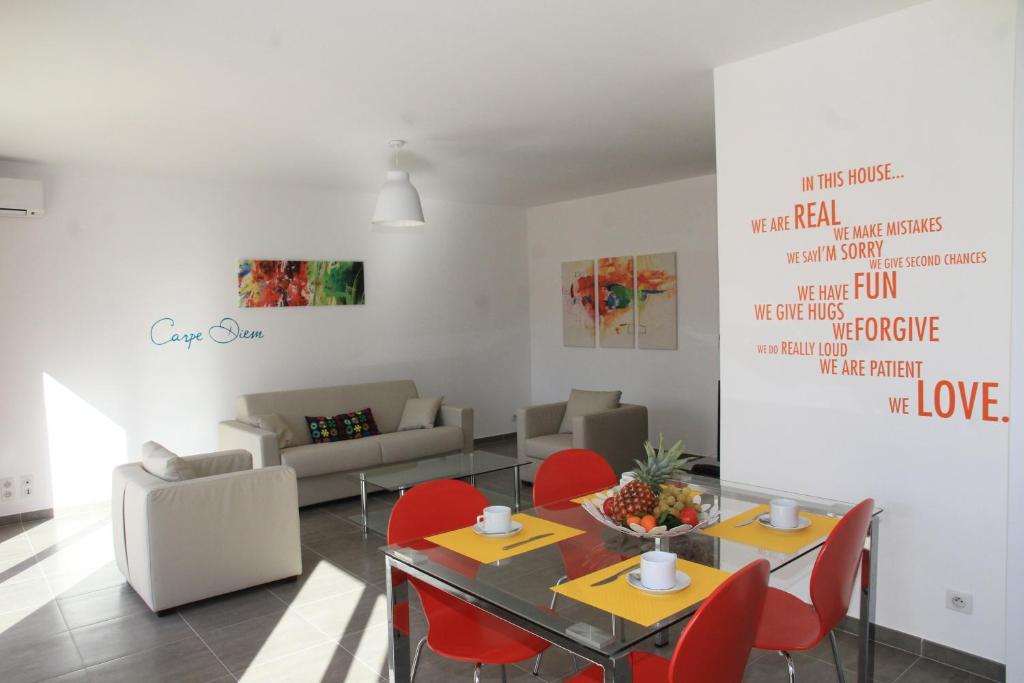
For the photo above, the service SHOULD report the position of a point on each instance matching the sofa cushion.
(357, 424)
(540, 447)
(420, 413)
(419, 443)
(386, 399)
(586, 402)
(323, 428)
(326, 458)
(161, 463)
(274, 423)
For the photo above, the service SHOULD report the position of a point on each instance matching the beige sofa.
(616, 434)
(325, 470)
(230, 528)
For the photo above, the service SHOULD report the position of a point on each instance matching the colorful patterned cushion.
(323, 429)
(357, 424)
(354, 425)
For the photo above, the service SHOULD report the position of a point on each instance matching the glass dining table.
(519, 589)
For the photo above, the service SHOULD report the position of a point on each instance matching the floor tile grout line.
(207, 646)
(129, 654)
(912, 664)
(966, 671)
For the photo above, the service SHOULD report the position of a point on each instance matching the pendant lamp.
(398, 204)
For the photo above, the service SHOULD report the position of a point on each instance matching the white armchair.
(230, 528)
(616, 434)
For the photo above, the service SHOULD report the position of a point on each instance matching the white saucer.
(515, 529)
(682, 581)
(765, 520)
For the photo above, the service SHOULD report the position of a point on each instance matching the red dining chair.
(562, 476)
(789, 623)
(716, 643)
(571, 473)
(455, 629)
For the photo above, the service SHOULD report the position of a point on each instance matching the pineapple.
(636, 499)
(640, 496)
(644, 491)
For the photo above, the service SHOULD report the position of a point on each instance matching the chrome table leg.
(399, 670)
(517, 484)
(869, 589)
(363, 506)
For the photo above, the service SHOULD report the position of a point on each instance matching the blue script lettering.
(228, 330)
(187, 338)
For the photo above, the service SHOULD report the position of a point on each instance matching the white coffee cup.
(658, 570)
(785, 513)
(497, 519)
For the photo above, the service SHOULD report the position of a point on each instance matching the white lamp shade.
(398, 204)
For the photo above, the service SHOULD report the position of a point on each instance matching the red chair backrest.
(433, 508)
(835, 570)
(716, 643)
(570, 473)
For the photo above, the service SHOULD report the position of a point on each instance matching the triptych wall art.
(300, 283)
(626, 303)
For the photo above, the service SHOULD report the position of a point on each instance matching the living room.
(786, 236)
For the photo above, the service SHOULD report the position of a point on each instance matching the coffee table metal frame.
(514, 463)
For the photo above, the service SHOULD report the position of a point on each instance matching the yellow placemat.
(581, 499)
(646, 609)
(778, 541)
(467, 542)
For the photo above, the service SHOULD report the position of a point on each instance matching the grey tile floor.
(67, 615)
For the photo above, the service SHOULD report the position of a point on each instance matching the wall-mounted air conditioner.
(21, 198)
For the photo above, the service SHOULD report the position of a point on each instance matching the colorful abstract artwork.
(578, 304)
(615, 301)
(656, 318)
(300, 283)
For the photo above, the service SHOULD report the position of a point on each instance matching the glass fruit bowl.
(707, 514)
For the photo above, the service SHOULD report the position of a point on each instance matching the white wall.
(930, 90)
(447, 308)
(678, 387)
(1015, 473)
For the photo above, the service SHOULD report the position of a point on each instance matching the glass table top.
(521, 585)
(403, 475)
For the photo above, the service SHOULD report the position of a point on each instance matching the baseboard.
(19, 517)
(494, 437)
(979, 666)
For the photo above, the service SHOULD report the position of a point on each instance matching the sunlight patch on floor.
(277, 659)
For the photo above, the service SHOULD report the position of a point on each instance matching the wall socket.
(27, 483)
(8, 491)
(959, 601)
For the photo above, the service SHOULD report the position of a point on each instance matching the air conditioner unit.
(21, 198)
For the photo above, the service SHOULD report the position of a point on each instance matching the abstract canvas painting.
(299, 283)
(578, 303)
(616, 301)
(656, 318)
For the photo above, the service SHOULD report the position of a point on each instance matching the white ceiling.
(514, 101)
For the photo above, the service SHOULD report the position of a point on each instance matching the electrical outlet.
(8, 491)
(27, 483)
(959, 601)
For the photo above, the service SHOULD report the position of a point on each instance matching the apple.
(689, 516)
(607, 507)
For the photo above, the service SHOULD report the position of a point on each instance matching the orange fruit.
(648, 522)
(633, 519)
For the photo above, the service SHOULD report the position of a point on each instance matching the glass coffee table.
(400, 476)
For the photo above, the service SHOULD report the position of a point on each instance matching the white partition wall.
(864, 185)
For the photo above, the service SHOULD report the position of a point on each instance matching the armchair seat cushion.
(419, 443)
(336, 456)
(540, 447)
